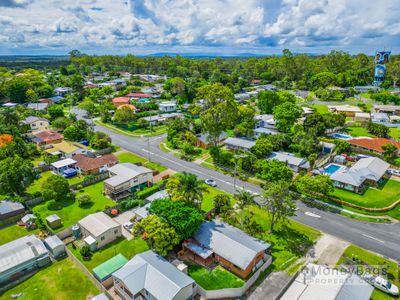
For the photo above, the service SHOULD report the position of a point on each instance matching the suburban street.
(380, 238)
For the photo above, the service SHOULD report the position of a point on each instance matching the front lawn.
(127, 248)
(372, 197)
(365, 257)
(395, 133)
(62, 281)
(129, 157)
(208, 200)
(218, 278)
(13, 232)
(71, 212)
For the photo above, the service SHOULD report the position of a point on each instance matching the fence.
(234, 292)
(88, 274)
(34, 201)
(43, 168)
(104, 151)
(65, 233)
(90, 181)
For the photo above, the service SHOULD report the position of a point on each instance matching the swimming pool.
(331, 168)
(341, 136)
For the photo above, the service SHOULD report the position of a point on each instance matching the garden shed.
(105, 270)
(54, 221)
(55, 246)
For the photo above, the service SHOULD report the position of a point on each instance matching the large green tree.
(286, 115)
(16, 174)
(56, 188)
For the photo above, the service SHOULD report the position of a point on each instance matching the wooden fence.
(87, 182)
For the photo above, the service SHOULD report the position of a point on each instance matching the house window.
(115, 231)
(102, 238)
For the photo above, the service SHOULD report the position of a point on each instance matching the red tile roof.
(120, 100)
(374, 144)
(86, 163)
(48, 135)
(139, 95)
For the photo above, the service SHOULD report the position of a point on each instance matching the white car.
(394, 172)
(382, 284)
(129, 226)
(211, 182)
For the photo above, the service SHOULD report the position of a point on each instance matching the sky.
(223, 27)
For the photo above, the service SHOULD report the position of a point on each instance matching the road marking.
(372, 238)
(310, 214)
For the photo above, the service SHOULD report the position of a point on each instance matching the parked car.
(394, 172)
(129, 226)
(382, 284)
(211, 182)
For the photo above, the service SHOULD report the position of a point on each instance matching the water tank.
(76, 231)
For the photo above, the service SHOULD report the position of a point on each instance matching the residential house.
(119, 101)
(218, 242)
(21, 257)
(265, 121)
(46, 137)
(37, 106)
(10, 212)
(89, 164)
(239, 144)
(348, 110)
(387, 109)
(126, 178)
(202, 140)
(138, 96)
(65, 149)
(293, 162)
(266, 131)
(373, 144)
(62, 91)
(365, 172)
(167, 106)
(321, 282)
(99, 229)
(387, 119)
(36, 123)
(62, 166)
(366, 88)
(327, 148)
(362, 117)
(160, 119)
(306, 111)
(151, 277)
(158, 195)
(53, 100)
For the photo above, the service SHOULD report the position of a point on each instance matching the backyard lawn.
(372, 197)
(62, 281)
(218, 278)
(135, 159)
(374, 260)
(127, 248)
(395, 133)
(358, 131)
(13, 232)
(71, 213)
(36, 186)
(321, 108)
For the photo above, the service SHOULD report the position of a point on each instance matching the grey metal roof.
(263, 130)
(372, 168)
(10, 206)
(237, 142)
(32, 119)
(290, 159)
(153, 273)
(158, 195)
(19, 251)
(203, 137)
(355, 288)
(63, 163)
(52, 218)
(201, 251)
(53, 241)
(98, 223)
(142, 211)
(100, 297)
(229, 242)
(37, 106)
(124, 172)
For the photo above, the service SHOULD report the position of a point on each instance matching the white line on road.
(310, 214)
(372, 238)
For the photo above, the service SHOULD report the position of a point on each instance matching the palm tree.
(243, 198)
(186, 187)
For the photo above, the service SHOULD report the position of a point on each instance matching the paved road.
(380, 238)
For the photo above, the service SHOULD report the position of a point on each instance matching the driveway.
(124, 218)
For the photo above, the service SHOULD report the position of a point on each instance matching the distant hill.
(201, 55)
(33, 61)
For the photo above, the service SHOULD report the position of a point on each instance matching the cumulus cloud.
(259, 25)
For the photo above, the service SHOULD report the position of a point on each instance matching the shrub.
(147, 192)
(84, 199)
(128, 204)
(52, 205)
(85, 252)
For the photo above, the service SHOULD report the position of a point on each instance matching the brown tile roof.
(86, 163)
(120, 100)
(374, 144)
(48, 135)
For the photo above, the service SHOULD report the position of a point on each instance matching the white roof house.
(319, 282)
(238, 143)
(124, 172)
(371, 168)
(293, 162)
(158, 195)
(98, 223)
(21, 255)
(151, 273)
(344, 108)
(230, 243)
(63, 163)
